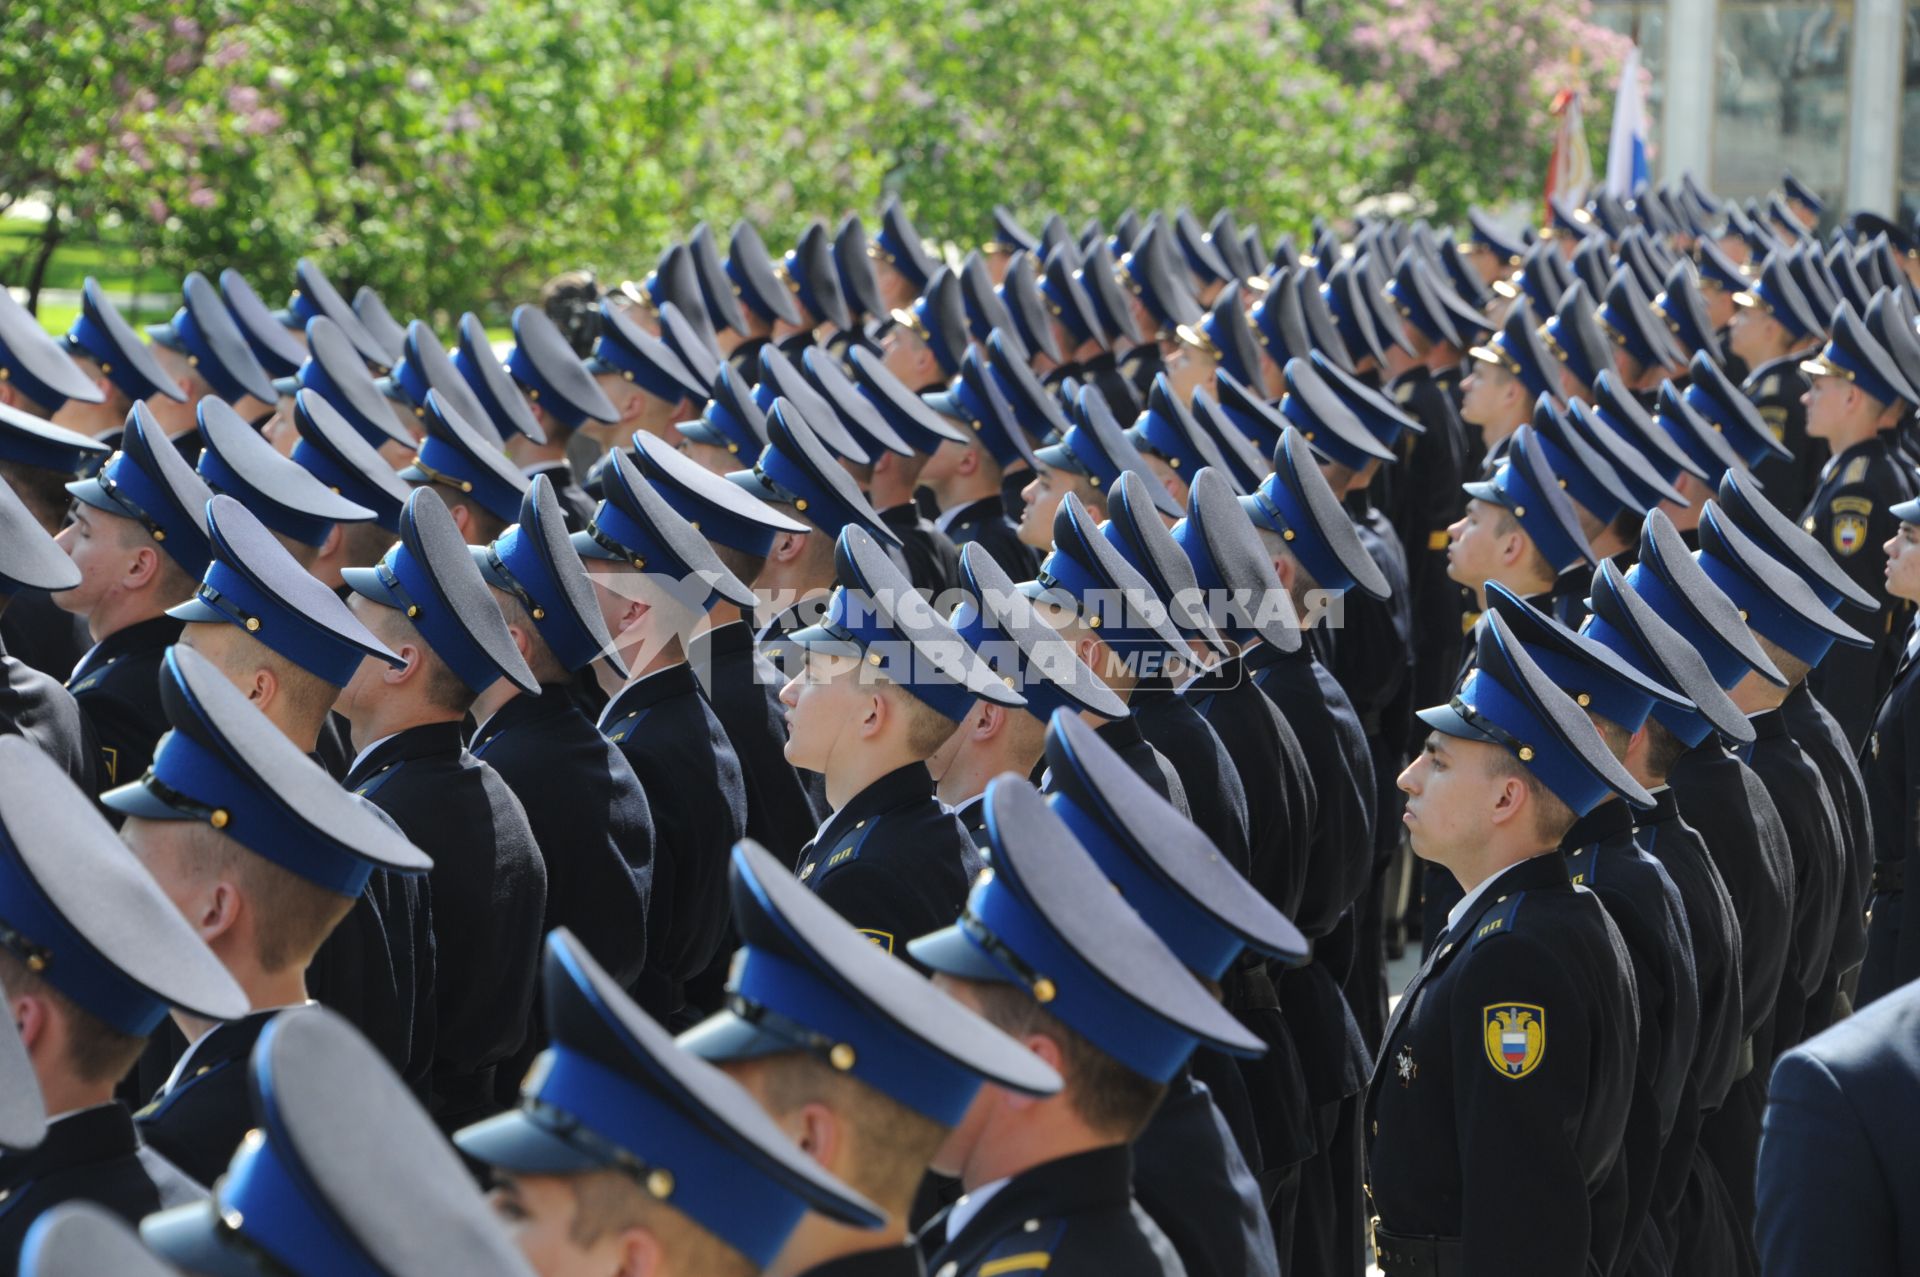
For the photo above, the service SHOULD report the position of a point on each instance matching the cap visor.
(1056, 457)
(366, 583)
(951, 953)
(189, 1237)
(1744, 298)
(286, 386)
(89, 492)
(588, 548)
(1051, 596)
(942, 402)
(1819, 367)
(1445, 720)
(1483, 490)
(135, 799)
(815, 638)
(726, 1036)
(516, 1144)
(1485, 354)
(196, 609)
(388, 387)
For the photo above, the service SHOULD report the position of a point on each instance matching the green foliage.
(1473, 80)
(457, 152)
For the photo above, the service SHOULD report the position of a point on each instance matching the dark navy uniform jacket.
(1074, 1217)
(1851, 515)
(95, 1156)
(377, 969)
(1498, 1106)
(933, 561)
(1122, 735)
(1102, 372)
(594, 828)
(34, 705)
(744, 691)
(1641, 899)
(198, 1121)
(1422, 497)
(1728, 803)
(986, 522)
(1190, 1179)
(489, 897)
(1815, 730)
(893, 862)
(1693, 1236)
(1839, 1180)
(688, 768)
(1891, 764)
(43, 634)
(1819, 869)
(118, 686)
(1775, 388)
(1215, 795)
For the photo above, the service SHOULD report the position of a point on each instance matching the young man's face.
(1043, 496)
(1448, 786)
(1754, 335)
(103, 547)
(1903, 562)
(1487, 395)
(909, 358)
(1830, 403)
(1474, 553)
(538, 1212)
(825, 702)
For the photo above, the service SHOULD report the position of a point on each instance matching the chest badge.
(1403, 1064)
(1516, 1037)
(1849, 533)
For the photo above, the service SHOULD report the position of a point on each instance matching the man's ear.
(641, 1254)
(1509, 800)
(336, 537)
(523, 641)
(820, 1134)
(33, 1017)
(1285, 568)
(220, 912)
(789, 546)
(987, 721)
(144, 566)
(879, 713)
(971, 460)
(414, 653)
(462, 517)
(264, 687)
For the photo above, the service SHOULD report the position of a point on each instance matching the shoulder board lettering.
(1497, 921)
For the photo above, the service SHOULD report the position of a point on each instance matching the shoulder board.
(1856, 470)
(371, 785)
(187, 1083)
(1403, 393)
(1497, 921)
(93, 677)
(1028, 1251)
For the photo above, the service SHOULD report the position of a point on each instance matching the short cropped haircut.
(1505, 524)
(294, 917)
(1551, 816)
(1109, 1097)
(927, 728)
(96, 1051)
(611, 1201)
(891, 1145)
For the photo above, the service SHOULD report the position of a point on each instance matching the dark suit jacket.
(489, 897)
(117, 684)
(89, 1156)
(1839, 1177)
(692, 777)
(34, 705)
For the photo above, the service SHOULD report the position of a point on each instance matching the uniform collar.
(156, 633)
(1666, 808)
(1099, 1178)
(722, 640)
(649, 690)
(1549, 869)
(1610, 821)
(84, 1137)
(429, 740)
(1767, 724)
(889, 1261)
(969, 511)
(231, 1040)
(554, 700)
(912, 783)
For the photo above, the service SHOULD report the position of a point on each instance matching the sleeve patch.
(1516, 1037)
(882, 940)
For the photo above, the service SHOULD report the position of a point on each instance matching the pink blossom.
(229, 52)
(242, 99)
(86, 159)
(144, 100)
(157, 209)
(179, 63)
(261, 122)
(185, 28)
(201, 196)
